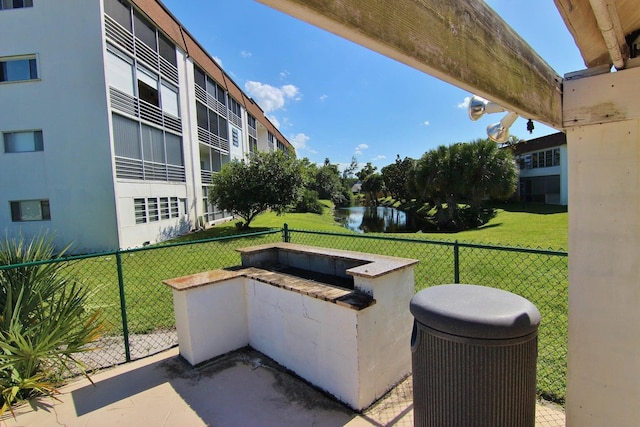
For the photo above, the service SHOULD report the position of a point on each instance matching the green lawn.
(532, 226)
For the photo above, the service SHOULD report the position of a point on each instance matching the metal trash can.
(474, 352)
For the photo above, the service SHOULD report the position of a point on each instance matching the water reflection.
(369, 219)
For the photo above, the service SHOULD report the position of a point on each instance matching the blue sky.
(333, 98)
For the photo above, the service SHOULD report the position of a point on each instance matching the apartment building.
(113, 119)
(543, 169)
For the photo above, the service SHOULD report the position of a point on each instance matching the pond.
(371, 219)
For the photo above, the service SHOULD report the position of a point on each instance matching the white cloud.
(218, 60)
(360, 149)
(323, 97)
(245, 54)
(378, 157)
(299, 141)
(284, 74)
(427, 123)
(291, 91)
(271, 98)
(465, 103)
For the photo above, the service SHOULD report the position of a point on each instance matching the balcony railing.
(128, 168)
(136, 107)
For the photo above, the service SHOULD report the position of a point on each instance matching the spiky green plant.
(44, 322)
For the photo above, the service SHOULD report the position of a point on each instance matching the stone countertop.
(318, 288)
(375, 265)
(202, 279)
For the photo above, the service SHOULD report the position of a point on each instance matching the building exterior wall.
(79, 173)
(73, 172)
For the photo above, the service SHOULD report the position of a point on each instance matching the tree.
(349, 170)
(367, 170)
(396, 176)
(373, 184)
(469, 172)
(490, 173)
(328, 183)
(271, 180)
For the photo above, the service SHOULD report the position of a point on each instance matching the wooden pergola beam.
(464, 43)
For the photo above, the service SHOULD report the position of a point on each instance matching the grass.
(515, 224)
(540, 278)
(531, 226)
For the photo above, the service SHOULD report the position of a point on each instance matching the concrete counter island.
(338, 319)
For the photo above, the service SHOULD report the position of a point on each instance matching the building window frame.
(27, 71)
(15, 4)
(154, 209)
(13, 143)
(30, 210)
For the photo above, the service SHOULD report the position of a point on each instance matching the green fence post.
(286, 237)
(456, 262)
(123, 308)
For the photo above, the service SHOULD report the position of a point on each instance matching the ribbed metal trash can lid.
(473, 311)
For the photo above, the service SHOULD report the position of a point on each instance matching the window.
(119, 11)
(154, 209)
(556, 157)
(541, 159)
(252, 121)
(199, 77)
(185, 206)
(148, 87)
(126, 137)
(216, 160)
(135, 144)
(222, 98)
(174, 149)
(120, 73)
(174, 207)
(164, 208)
(18, 69)
(167, 50)
(234, 106)
(30, 210)
(15, 4)
(152, 206)
(169, 99)
(144, 31)
(140, 211)
(23, 141)
(253, 144)
(201, 113)
(152, 144)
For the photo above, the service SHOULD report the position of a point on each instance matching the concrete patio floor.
(242, 389)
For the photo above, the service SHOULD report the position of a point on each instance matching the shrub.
(43, 320)
(309, 202)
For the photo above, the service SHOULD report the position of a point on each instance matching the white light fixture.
(478, 107)
(498, 132)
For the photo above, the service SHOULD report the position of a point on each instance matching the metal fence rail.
(138, 309)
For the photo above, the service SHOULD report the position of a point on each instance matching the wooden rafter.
(461, 42)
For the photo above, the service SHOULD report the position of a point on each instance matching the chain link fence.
(138, 309)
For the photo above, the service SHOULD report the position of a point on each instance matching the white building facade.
(113, 120)
(543, 170)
